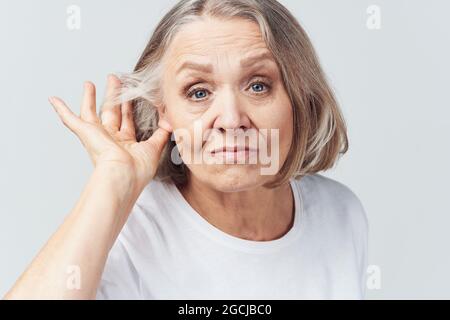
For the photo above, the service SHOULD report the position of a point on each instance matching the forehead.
(209, 38)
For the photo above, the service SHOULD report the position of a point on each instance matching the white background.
(392, 83)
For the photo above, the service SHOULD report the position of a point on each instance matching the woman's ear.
(163, 121)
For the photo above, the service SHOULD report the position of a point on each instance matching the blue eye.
(200, 94)
(261, 85)
(257, 85)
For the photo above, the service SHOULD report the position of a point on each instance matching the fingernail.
(51, 100)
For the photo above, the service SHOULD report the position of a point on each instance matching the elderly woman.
(152, 223)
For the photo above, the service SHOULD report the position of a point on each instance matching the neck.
(259, 214)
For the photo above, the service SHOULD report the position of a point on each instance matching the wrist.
(121, 180)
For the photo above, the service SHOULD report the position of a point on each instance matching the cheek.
(176, 114)
(280, 117)
(179, 108)
(286, 130)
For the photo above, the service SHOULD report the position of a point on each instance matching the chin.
(234, 178)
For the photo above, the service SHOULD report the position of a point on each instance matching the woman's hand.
(110, 139)
(122, 169)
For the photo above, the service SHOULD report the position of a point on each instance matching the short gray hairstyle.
(319, 130)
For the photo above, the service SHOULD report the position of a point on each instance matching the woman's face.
(236, 101)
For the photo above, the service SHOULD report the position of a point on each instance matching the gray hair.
(319, 130)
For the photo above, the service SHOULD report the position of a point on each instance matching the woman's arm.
(81, 243)
(72, 261)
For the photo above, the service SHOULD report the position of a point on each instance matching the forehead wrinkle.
(197, 35)
(208, 68)
(189, 43)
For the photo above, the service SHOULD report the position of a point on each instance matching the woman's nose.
(230, 113)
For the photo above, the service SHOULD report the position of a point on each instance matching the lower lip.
(234, 155)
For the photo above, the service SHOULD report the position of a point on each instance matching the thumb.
(157, 142)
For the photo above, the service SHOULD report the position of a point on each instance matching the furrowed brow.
(208, 68)
(256, 58)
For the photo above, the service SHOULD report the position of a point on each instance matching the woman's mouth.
(233, 153)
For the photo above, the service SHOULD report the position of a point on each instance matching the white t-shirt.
(167, 250)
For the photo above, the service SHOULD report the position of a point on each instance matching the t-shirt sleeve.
(119, 280)
(359, 225)
(364, 253)
(361, 235)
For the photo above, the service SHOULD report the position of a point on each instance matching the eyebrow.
(207, 68)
